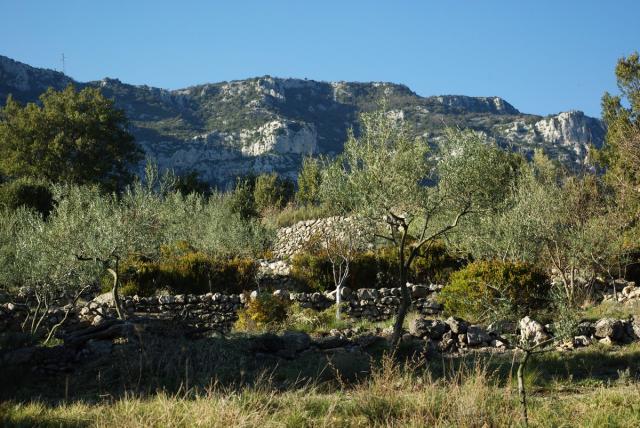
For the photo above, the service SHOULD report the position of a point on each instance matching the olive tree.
(108, 228)
(213, 225)
(565, 223)
(37, 260)
(386, 176)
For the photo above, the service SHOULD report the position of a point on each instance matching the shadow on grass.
(177, 365)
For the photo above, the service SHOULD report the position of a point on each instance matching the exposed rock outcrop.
(267, 124)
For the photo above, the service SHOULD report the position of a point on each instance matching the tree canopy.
(621, 152)
(70, 136)
(386, 176)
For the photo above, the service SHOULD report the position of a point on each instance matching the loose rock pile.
(454, 335)
(622, 291)
(608, 331)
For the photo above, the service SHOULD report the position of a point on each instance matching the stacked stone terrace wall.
(374, 304)
(296, 238)
(218, 312)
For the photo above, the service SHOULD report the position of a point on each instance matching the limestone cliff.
(268, 124)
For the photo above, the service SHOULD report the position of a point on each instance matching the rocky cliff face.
(26, 83)
(268, 124)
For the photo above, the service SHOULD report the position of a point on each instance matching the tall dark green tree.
(272, 191)
(70, 136)
(621, 152)
(309, 180)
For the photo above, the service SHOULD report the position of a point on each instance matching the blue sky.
(541, 56)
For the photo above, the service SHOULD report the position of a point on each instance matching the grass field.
(392, 396)
(594, 388)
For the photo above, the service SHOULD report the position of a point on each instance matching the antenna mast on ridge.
(63, 67)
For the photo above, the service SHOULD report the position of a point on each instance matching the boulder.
(419, 291)
(317, 297)
(433, 329)
(531, 331)
(635, 327)
(97, 320)
(586, 328)
(502, 327)
(609, 328)
(580, 341)
(166, 300)
(457, 325)
(281, 294)
(346, 293)
(367, 294)
(477, 335)
(104, 299)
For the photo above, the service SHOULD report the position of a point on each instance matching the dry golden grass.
(392, 396)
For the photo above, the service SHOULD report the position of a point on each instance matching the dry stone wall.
(374, 304)
(218, 312)
(295, 239)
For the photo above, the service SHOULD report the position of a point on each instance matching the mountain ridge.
(264, 124)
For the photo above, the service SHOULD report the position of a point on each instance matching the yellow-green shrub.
(183, 270)
(487, 290)
(264, 312)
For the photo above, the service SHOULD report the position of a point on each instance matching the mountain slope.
(268, 124)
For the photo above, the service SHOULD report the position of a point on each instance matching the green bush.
(309, 181)
(266, 311)
(374, 269)
(183, 270)
(272, 191)
(489, 290)
(292, 214)
(30, 193)
(242, 200)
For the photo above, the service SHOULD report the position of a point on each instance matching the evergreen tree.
(70, 136)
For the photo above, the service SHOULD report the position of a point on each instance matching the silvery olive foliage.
(413, 196)
(566, 224)
(90, 232)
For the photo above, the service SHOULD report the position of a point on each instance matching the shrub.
(435, 264)
(312, 321)
(266, 311)
(374, 269)
(272, 191)
(242, 201)
(183, 270)
(27, 192)
(489, 290)
(309, 180)
(311, 272)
